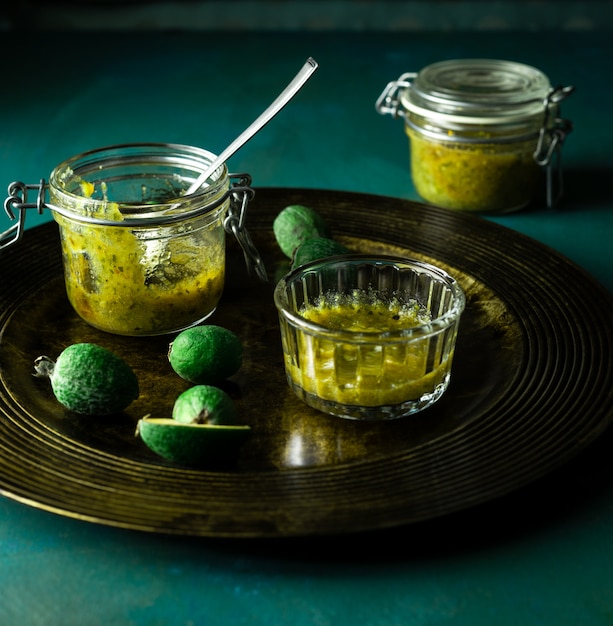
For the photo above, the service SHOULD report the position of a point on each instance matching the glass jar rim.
(478, 91)
(133, 212)
(432, 327)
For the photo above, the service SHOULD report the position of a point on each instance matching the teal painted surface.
(540, 556)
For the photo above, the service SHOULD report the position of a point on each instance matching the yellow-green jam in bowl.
(368, 338)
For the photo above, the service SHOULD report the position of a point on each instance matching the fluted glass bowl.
(368, 338)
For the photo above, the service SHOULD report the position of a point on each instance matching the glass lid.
(478, 89)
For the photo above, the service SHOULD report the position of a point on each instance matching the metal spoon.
(282, 99)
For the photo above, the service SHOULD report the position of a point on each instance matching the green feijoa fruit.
(204, 404)
(191, 444)
(206, 354)
(295, 224)
(317, 248)
(89, 379)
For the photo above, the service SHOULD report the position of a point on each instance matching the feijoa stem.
(43, 367)
(202, 417)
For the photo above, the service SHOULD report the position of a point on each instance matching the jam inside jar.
(140, 256)
(480, 176)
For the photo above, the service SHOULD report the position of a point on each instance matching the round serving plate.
(532, 385)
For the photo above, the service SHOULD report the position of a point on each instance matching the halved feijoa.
(191, 444)
(297, 223)
(89, 379)
(206, 354)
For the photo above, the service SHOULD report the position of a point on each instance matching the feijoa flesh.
(191, 444)
(297, 223)
(89, 379)
(206, 354)
(317, 248)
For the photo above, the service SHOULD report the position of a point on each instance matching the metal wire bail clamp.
(17, 201)
(240, 195)
(548, 152)
(388, 102)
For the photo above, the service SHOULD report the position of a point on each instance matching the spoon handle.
(282, 99)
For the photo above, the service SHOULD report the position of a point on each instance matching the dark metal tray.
(532, 385)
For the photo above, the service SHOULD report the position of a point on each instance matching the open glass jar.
(480, 132)
(140, 256)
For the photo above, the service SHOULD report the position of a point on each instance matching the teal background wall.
(311, 15)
